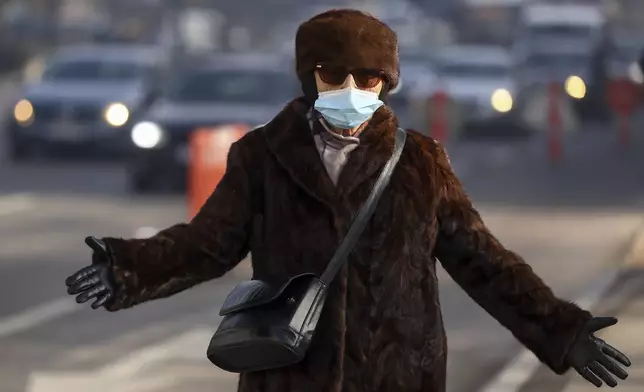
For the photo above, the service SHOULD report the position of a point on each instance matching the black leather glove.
(96, 280)
(593, 358)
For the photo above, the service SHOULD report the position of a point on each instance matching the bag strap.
(360, 222)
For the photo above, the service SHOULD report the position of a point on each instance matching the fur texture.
(349, 38)
(381, 329)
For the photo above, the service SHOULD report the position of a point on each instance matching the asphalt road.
(569, 221)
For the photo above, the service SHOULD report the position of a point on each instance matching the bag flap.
(253, 293)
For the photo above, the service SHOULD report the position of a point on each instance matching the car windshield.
(469, 70)
(95, 70)
(232, 86)
(559, 61)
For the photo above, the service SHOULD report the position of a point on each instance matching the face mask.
(347, 108)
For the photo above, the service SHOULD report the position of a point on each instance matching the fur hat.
(350, 38)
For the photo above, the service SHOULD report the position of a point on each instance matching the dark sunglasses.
(336, 75)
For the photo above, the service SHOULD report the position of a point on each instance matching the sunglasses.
(336, 75)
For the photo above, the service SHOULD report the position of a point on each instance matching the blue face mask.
(347, 108)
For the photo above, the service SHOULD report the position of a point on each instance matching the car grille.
(73, 113)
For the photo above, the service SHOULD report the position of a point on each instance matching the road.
(570, 221)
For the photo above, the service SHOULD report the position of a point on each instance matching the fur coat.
(381, 329)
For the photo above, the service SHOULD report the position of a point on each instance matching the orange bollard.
(207, 163)
(555, 150)
(438, 126)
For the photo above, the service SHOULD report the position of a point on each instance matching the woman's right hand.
(96, 280)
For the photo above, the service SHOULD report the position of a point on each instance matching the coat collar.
(291, 141)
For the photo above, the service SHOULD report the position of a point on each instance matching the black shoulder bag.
(265, 327)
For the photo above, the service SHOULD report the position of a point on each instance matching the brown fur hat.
(350, 38)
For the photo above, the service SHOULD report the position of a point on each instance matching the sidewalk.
(625, 300)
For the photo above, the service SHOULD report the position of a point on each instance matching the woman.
(288, 196)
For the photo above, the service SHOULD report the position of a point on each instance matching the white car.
(480, 80)
(558, 64)
(552, 24)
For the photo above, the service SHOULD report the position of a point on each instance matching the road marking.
(519, 370)
(13, 204)
(37, 315)
(125, 374)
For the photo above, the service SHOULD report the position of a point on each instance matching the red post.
(555, 129)
(438, 126)
(623, 98)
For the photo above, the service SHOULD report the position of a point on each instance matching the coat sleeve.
(186, 254)
(498, 279)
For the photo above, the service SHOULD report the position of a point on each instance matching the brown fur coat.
(381, 329)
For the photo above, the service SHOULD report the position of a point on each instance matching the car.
(85, 100)
(480, 80)
(573, 69)
(556, 24)
(554, 64)
(225, 89)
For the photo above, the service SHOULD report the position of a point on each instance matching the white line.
(37, 315)
(12, 204)
(519, 370)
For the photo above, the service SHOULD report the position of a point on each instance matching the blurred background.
(538, 102)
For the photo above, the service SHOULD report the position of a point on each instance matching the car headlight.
(23, 112)
(575, 87)
(117, 114)
(501, 100)
(147, 135)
